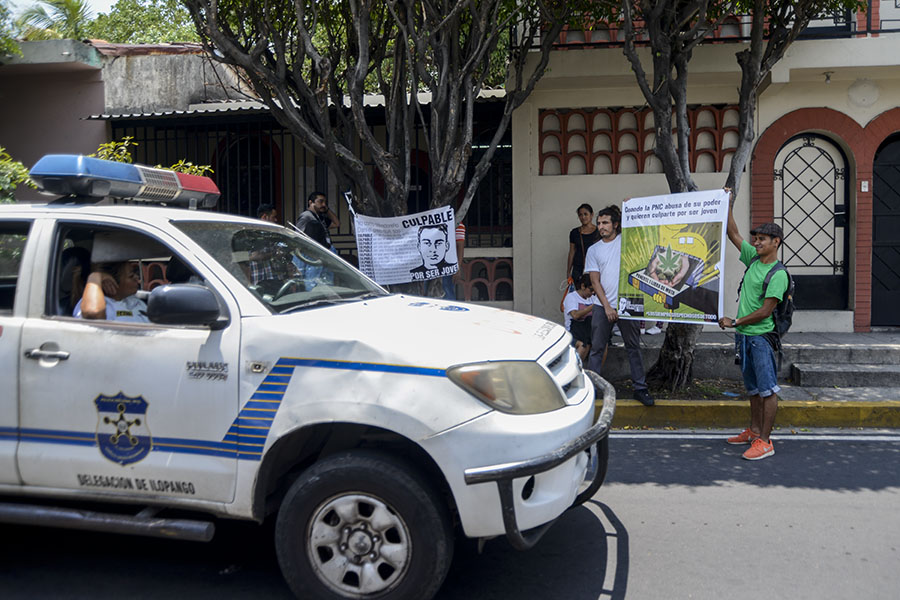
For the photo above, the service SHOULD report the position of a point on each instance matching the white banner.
(672, 258)
(409, 248)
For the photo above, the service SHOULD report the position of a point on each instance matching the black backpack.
(783, 314)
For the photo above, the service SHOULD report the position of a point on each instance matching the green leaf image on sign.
(669, 264)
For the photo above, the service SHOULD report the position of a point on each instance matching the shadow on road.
(815, 464)
(584, 556)
(38, 562)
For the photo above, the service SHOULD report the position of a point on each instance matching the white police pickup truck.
(271, 379)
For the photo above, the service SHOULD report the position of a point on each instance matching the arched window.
(811, 206)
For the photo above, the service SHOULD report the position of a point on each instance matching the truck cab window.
(125, 264)
(12, 243)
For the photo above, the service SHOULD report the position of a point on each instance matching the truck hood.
(424, 332)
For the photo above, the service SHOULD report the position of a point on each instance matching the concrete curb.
(735, 413)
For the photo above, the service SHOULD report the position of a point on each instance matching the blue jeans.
(601, 332)
(758, 365)
(449, 287)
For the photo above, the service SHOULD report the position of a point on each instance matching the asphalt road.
(679, 517)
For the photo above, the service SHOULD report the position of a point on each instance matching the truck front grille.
(564, 365)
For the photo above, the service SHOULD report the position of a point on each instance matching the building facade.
(825, 163)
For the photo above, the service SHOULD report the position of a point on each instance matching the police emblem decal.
(123, 435)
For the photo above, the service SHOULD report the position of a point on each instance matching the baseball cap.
(770, 229)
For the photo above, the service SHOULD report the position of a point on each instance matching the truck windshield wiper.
(329, 301)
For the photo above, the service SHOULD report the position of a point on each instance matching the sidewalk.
(854, 373)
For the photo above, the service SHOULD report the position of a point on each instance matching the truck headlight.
(516, 387)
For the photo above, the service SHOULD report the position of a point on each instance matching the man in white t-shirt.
(602, 262)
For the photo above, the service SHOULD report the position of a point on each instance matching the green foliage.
(8, 45)
(11, 247)
(120, 151)
(12, 174)
(56, 19)
(145, 22)
(184, 166)
(499, 60)
(116, 151)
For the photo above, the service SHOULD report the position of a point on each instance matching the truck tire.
(602, 459)
(362, 524)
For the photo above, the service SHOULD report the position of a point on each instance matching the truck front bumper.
(595, 440)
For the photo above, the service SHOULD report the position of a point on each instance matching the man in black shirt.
(317, 219)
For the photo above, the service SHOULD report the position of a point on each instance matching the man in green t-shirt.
(754, 325)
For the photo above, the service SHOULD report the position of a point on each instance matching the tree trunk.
(668, 95)
(675, 365)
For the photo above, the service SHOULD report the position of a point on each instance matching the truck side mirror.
(185, 304)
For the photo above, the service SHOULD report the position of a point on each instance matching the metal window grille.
(256, 161)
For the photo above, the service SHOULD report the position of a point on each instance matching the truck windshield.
(285, 270)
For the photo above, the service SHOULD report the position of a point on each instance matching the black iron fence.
(256, 161)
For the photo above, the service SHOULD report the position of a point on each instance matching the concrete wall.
(44, 113)
(45, 95)
(864, 79)
(156, 82)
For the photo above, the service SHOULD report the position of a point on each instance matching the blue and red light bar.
(72, 174)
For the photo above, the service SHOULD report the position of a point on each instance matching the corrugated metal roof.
(254, 106)
(245, 106)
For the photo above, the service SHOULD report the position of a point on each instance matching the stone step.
(845, 375)
(860, 355)
(860, 395)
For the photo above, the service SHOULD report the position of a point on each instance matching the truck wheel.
(362, 524)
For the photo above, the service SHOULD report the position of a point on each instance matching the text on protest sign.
(672, 257)
(409, 248)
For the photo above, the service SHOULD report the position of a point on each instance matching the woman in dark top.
(580, 239)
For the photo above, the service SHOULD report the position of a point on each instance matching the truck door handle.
(37, 353)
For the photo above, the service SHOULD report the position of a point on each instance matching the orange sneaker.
(760, 450)
(744, 437)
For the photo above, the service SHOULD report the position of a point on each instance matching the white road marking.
(612, 551)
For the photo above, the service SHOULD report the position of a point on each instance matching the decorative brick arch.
(861, 143)
(823, 120)
(878, 130)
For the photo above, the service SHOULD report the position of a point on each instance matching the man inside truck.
(109, 293)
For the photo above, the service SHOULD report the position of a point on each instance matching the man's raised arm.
(733, 233)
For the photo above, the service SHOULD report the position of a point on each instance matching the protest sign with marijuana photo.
(671, 256)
